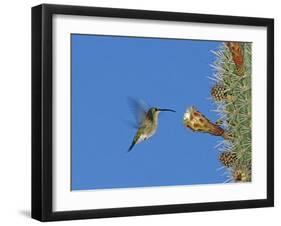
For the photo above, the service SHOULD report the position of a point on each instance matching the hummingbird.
(148, 122)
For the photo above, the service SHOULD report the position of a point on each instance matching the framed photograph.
(145, 112)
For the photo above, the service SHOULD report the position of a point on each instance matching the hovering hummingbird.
(147, 122)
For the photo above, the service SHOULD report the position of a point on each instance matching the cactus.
(232, 73)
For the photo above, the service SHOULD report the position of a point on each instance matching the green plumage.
(148, 125)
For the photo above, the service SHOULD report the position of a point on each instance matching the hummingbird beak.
(165, 109)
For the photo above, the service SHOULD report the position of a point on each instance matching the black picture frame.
(42, 111)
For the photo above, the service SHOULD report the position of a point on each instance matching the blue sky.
(165, 73)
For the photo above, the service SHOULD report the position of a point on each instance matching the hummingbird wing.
(139, 110)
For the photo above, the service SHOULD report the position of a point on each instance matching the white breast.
(145, 136)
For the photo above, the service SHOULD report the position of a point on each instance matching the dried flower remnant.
(240, 176)
(227, 158)
(220, 93)
(237, 56)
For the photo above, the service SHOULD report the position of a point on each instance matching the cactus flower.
(196, 121)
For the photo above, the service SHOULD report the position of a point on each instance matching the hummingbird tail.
(132, 145)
